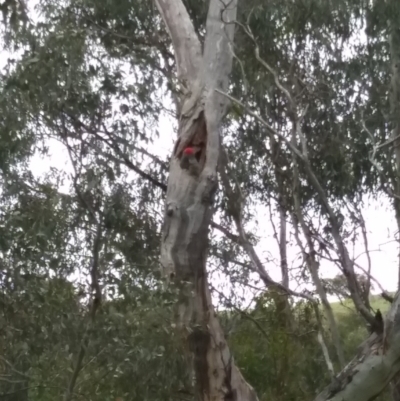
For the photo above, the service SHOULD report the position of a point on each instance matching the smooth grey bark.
(283, 247)
(312, 263)
(283, 302)
(376, 363)
(282, 207)
(188, 209)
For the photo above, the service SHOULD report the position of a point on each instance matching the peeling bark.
(188, 210)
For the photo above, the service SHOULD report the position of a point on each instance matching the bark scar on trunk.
(199, 341)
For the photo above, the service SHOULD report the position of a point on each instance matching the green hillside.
(347, 307)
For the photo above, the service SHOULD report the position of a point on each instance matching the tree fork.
(188, 210)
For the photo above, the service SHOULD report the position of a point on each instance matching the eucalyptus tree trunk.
(395, 115)
(190, 193)
(394, 28)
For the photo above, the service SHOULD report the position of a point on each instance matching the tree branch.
(376, 363)
(185, 42)
(342, 250)
(234, 200)
(95, 304)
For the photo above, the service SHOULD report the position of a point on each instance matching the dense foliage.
(84, 314)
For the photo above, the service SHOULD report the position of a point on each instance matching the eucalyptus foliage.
(98, 77)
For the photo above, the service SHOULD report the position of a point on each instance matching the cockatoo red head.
(188, 151)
